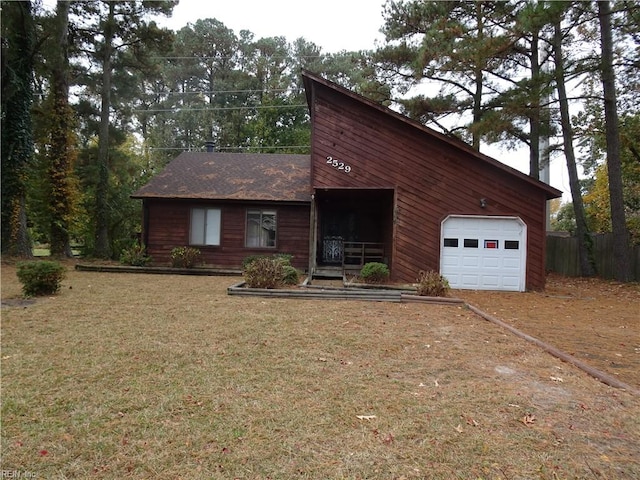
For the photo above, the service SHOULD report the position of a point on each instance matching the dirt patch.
(18, 302)
(596, 321)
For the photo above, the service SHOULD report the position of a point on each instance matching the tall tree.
(621, 255)
(63, 194)
(458, 46)
(107, 31)
(587, 267)
(18, 36)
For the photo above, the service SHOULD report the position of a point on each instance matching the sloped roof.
(312, 80)
(232, 176)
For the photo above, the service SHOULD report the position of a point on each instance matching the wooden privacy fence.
(562, 256)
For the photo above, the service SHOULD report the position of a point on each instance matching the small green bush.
(136, 255)
(284, 258)
(290, 275)
(40, 277)
(264, 272)
(184, 257)
(432, 284)
(374, 272)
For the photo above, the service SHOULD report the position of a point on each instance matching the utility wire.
(214, 109)
(261, 147)
(220, 91)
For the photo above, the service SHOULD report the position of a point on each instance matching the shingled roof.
(232, 176)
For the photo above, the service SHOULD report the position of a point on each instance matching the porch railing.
(356, 254)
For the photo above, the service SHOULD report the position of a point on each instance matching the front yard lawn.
(167, 377)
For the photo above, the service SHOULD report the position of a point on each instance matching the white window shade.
(205, 226)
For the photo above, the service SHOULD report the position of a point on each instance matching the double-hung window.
(261, 228)
(205, 226)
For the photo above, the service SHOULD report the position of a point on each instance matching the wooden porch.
(353, 256)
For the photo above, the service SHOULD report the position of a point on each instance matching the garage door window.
(491, 244)
(470, 243)
(511, 244)
(451, 242)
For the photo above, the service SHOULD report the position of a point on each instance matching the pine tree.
(17, 137)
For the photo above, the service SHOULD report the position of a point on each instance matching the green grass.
(148, 376)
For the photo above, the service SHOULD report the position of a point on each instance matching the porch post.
(313, 236)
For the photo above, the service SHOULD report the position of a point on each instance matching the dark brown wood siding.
(432, 179)
(168, 223)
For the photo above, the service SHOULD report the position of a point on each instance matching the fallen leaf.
(459, 429)
(389, 439)
(365, 417)
(528, 419)
(557, 379)
(471, 421)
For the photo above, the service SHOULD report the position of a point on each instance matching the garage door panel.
(470, 281)
(490, 252)
(469, 261)
(491, 262)
(511, 263)
(450, 260)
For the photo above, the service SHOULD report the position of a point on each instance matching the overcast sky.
(334, 25)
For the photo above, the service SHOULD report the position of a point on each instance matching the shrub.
(40, 277)
(290, 275)
(264, 272)
(136, 255)
(184, 257)
(432, 284)
(374, 272)
(284, 258)
(250, 259)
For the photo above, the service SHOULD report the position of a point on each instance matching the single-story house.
(377, 186)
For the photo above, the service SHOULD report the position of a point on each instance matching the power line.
(220, 91)
(275, 57)
(261, 147)
(214, 109)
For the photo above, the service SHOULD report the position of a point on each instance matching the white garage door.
(484, 253)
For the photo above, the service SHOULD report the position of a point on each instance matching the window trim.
(204, 233)
(262, 212)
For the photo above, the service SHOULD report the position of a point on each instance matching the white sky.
(334, 25)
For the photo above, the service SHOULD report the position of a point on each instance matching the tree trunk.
(61, 163)
(478, 77)
(17, 136)
(622, 271)
(102, 248)
(534, 116)
(585, 245)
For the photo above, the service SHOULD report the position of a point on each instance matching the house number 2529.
(338, 165)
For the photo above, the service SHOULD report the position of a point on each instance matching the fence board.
(562, 256)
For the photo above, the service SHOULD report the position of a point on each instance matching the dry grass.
(167, 377)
